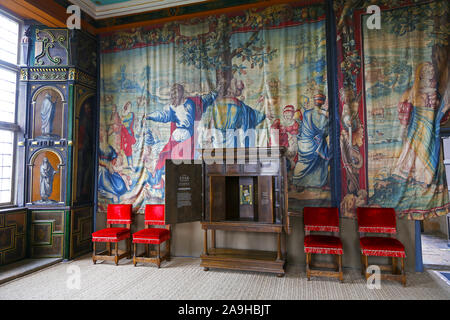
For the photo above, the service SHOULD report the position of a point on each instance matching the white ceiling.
(127, 7)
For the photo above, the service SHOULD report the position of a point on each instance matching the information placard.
(184, 202)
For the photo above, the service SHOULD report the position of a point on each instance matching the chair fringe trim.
(324, 250)
(322, 228)
(378, 229)
(384, 253)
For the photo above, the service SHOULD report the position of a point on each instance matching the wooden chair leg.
(205, 242)
(134, 254)
(147, 250)
(403, 272)
(394, 265)
(158, 255)
(366, 265)
(336, 258)
(129, 248)
(108, 248)
(308, 270)
(168, 250)
(93, 254)
(116, 256)
(341, 275)
(363, 271)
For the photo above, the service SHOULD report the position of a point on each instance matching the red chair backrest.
(154, 214)
(119, 213)
(378, 220)
(321, 219)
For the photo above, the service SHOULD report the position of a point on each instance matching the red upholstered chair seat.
(111, 235)
(323, 244)
(381, 246)
(380, 220)
(151, 236)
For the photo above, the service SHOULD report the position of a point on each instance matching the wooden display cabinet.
(245, 190)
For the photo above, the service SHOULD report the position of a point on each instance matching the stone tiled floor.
(435, 251)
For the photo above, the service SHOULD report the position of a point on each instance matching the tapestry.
(253, 78)
(393, 91)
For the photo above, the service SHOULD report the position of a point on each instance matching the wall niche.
(47, 174)
(48, 114)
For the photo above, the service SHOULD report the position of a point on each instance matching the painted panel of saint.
(85, 149)
(46, 178)
(48, 116)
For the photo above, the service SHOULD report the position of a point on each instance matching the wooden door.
(184, 195)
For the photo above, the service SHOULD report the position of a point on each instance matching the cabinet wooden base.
(245, 260)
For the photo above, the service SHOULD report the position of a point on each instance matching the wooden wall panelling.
(13, 236)
(47, 233)
(80, 231)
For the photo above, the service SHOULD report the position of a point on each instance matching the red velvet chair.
(116, 214)
(322, 219)
(154, 215)
(380, 220)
